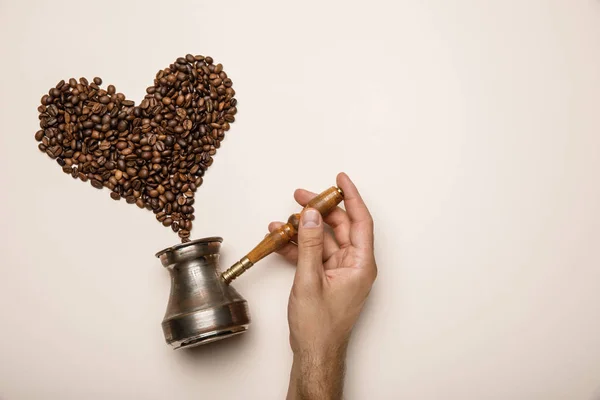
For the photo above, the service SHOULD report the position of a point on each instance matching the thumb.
(310, 244)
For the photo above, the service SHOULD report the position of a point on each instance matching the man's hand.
(333, 278)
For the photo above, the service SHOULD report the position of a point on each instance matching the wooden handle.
(324, 203)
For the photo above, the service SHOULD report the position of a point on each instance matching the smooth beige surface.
(471, 127)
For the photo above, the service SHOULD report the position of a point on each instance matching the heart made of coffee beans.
(153, 154)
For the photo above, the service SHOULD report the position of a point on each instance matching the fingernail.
(311, 218)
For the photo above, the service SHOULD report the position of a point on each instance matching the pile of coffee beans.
(153, 154)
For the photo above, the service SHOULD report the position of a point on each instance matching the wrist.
(318, 373)
(322, 354)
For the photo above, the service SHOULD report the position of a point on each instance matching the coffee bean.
(115, 195)
(167, 222)
(155, 154)
(104, 146)
(159, 146)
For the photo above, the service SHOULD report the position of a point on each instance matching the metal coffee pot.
(203, 306)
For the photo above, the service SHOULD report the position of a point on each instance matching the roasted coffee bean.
(155, 154)
(161, 216)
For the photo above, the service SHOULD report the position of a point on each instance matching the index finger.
(361, 222)
(337, 218)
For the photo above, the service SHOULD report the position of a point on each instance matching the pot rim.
(180, 246)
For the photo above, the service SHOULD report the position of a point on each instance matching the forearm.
(317, 375)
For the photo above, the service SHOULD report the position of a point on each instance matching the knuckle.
(312, 242)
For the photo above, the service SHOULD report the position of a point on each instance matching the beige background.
(471, 127)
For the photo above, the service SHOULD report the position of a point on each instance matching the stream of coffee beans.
(153, 154)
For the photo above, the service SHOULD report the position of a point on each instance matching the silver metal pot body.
(202, 308)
